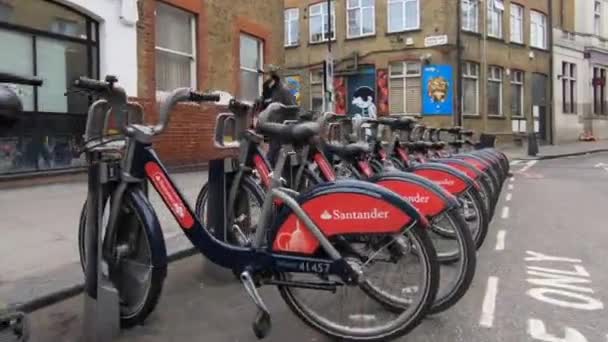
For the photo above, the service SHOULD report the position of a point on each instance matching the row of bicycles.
(364, 227)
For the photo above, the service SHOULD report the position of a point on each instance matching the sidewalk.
(39, 236)
(557, 151)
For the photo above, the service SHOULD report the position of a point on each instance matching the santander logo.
(445, 181)
(338, 215)
(417, 199)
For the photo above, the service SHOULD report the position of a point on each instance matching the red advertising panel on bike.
(336, 214)
(170, 196)
(462, 168)
(426, 201)
(451, 183)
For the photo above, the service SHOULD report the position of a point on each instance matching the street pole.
(458, 121)
(484, 61)
(329, 64)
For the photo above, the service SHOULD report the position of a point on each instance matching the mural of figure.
(363, 100)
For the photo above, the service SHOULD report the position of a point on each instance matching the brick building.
(385, 45)
(223, 45)
(580, 69)
(152, 46)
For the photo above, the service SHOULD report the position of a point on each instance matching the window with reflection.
(58, 44)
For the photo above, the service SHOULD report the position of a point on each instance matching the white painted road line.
(500, 240)
(489, 303)
(512, 179)
(505, 212)
(515, 162)
(528, 165)
(509, 196)
(510, 187)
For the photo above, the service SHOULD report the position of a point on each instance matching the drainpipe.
(484, 62)
(551, 105)
(458, 121)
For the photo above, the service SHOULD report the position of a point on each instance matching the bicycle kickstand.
(262, 323)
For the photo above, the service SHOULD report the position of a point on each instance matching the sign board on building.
(438, 90)
(436, 40)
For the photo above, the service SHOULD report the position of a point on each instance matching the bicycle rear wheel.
(136, 275)
(358, 312)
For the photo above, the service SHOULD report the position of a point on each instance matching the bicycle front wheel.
(358, 312)
(138, 275)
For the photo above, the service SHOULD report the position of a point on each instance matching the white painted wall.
(568, 126)
(118, 38)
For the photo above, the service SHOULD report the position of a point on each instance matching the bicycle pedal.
(262, 323)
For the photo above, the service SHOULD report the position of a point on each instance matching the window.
(494, 90)
(517, 24)
(361, 18)
(316, 90)
(470, 83)
(292, 27)
(517, 93)
(538, 30)
(495, 10)
(568, 87)
(175, 48)
(405, 88)
(403, 15)
(319, 31)
(58, 44)
(470, 15)
(597, 18)
(599, 91)
(252, 61)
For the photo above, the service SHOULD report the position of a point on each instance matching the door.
(540, 95)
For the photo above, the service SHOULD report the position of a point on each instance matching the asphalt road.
(540, 276)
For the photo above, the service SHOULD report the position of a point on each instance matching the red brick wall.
(189, 138)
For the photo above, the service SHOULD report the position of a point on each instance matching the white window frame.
(517, 18)
(404, 28)
(492, 70)
(570, 78)
(316, 83)
(405, 76)
(467, 14)
(538, 25)
(496, 10)
(192, 56)
(468, 74)
(521, 83)
(292, 14)
(359, 9)
(597, 18)
(261, 58)
(323, 14)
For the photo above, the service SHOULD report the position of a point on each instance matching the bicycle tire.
(420, 310)
(141, 207)
(248, 186)
(483, 214)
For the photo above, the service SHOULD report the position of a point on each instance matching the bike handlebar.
(86, 83)
(175, 97)
(17, 79)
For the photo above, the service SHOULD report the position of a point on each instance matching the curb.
(563, 155)
(76, 289)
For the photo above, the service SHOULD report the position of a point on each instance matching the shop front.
(58, 42)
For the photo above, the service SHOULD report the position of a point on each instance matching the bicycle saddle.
(397, 123)
(456, 143)
(286, 133)
(347, 151)
(454, 130)
(467, 132)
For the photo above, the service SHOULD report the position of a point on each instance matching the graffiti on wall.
(362, 94)
(438, 90)
(382, 87)
(340, 94)
(294, 84)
